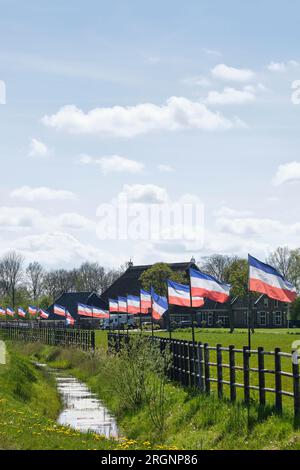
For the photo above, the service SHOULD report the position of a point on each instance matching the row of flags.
(21, 312)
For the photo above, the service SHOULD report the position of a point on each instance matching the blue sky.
(152, 99)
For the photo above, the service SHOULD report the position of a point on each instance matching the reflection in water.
(83, 410)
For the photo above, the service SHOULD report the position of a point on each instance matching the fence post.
(296, 385)
(191, 347)
(246, 374)
(278, 396)
(93, 340)
(219, 371)
(261, 375)
(206, 368)
(200, 366)
(232, 373)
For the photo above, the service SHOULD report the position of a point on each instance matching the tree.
(287, 262)
(295, 310)
(35, 275)
(216, 265)
(236, 274)
(11, 273)
(90, 277)
(157, 275)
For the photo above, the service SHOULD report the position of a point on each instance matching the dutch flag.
(145, 298)
(59, 310)
(204, 285)
(10, 312)
(2, 311)
(133, 304)
(21, 312)
(32, 310)
(113, 305)
(267, 280)
(100, 313)
(44, 314)
(179, 294)
(122, 304)
(159, 305)
(84, 310)
(69, 319)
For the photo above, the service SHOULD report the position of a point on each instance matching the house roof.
(129, 282)
(70, 301)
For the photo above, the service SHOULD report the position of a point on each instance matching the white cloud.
(114, 163)
(211, 52)
(41, 194)
(38, 149)
(143, 194)
(165, 168)
(18, 217)
(248, 226)
(73, 221)
(225, 72)
(228, 212)
(287, 173)
(177, 113)
(196, 81)
(282, 66)
(230, 96)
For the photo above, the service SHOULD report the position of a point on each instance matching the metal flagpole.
(192, 314)
(152, 325)
(249, 315)
(169, 313)
(141, 312)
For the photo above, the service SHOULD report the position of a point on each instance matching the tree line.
(22, 284)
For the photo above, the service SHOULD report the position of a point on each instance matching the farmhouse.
(266, 313)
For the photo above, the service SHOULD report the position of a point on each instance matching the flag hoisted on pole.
(133, 304)
(43, 314)
(145, 298)
(21, 312)
(267, 280)
(204, 285)
(159, 305)
(32, 310)
(2, 312)
(100, 313)
(178, 294)
(69, 319)
(113, 305)
(10, 312)
(84, 310)
(59, 310)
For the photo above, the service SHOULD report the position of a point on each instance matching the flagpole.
(152, 325)
(249, 315)
(127, 314)
(192, 313)
(169, 314)
(141, 312)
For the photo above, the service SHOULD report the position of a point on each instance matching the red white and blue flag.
(21, 312)
(267, 280)
(100, 313)
(2, 312)
(43, 314)
(204, 285)
(10, 311)
(59, 310)
(32, 310)
(179, 294)
(113, 305)
(159, 305)
(69, 319)
(133, 304)
(145, 298)
(122, 304)
(84, 310)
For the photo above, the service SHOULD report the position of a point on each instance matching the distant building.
(70, 301)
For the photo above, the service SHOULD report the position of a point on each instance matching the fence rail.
(200, 366)
(76, 338)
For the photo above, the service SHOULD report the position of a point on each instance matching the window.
(246, 318)
(266, 302)
(262, 318)
(276, 303)
(210, 319)
(277, 318)
(224, 320)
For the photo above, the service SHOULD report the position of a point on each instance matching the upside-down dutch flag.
(69, 319)
(113, 305)
(179, 294)
(43, 314)
(10, 312)
(122, 304)
(145, 298)
(2, 312)
(32, 310)
(133, 304)
(84, 310)
(59, 310)
(267, 280)
(204, 285)
(100, 313)
(159, 305)
(21, 312)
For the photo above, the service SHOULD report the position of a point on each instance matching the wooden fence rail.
(192, 365)
(76, 338)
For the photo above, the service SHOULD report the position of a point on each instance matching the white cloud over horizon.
(42, 193)
(113, 164)
(287, 172)
(230, 96)
(225, 72)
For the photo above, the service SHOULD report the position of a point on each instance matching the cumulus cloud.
(287, 173)
(282, 66)
(18, 217)
(143, 194)
(42, 193)
(224, 72)
(230, 96)
(228, 212)
(119, 121)
(73, 221)
(38, 149)
(114, 164)
(248, 226)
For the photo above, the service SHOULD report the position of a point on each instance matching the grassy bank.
(29, 406)
(192, 421)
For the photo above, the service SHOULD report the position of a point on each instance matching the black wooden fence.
(200, 366)
(65, 337)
